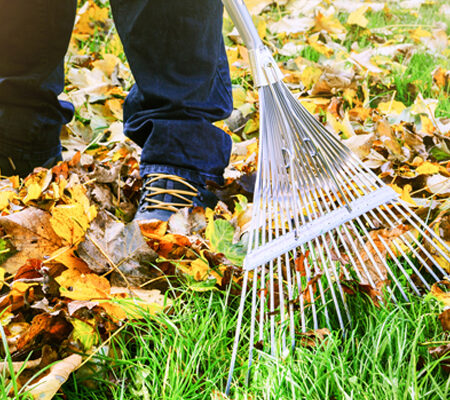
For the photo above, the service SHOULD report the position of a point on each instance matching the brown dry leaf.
(444, 318)
(360, 144)
(18, 366)
(300, 263)
(110, 244)
(31, 234)
(352, 287)
(442, 352)
(313, 338)
(441, 77)
(44, 329)
(386, 135)
(49, 385)
(383, 239)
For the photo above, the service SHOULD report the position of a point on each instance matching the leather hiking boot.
(163, 195)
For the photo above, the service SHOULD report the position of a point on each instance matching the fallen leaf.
(49, 385)
(31, 234)
(441, 291)
(44, 329)
(357, 17)
(427, 168)
(438, 185)
(220, 234)
(314, 337)
(391, 107)
(85, 332)
(444, 318)
(112, 245)
(78, 286)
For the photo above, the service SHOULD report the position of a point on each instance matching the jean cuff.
(15, 152)
(191, 175)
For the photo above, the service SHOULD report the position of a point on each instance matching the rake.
(321, 222)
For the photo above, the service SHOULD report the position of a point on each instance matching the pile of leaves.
(74, 268)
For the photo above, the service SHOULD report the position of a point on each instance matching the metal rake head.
(323, 222)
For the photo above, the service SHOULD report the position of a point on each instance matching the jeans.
(177, 55)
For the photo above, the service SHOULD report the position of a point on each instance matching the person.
(177, 56)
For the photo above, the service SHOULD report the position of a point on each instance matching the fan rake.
(321, 222)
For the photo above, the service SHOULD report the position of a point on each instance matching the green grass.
(417, 78)
(310, 54)
(186, 356)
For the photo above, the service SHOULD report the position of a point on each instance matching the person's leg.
(34, 35)
(177, 56)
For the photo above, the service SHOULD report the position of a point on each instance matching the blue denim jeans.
(177, 56)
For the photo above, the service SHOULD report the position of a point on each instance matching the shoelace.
(177, 193)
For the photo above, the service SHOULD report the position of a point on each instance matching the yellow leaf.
(232, 55)
(328, 23)
(5, 197)
(313, 105)
(427, 168)
(33, 193)
(427, 125)
(405, 194)
(200, 269)
(391, 107)
(418, 34)
(116, 108)
(2, 277)
(88, 15)
(85, 332)
(239, 97)
(135, 302)
(77, 286)
(321, 48)
(261, 26)
(442, 296)
(357, 17)
(310, 75)
(108, 64)
(70, 222)
(344, 126)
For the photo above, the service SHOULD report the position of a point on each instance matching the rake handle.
(242, 19)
